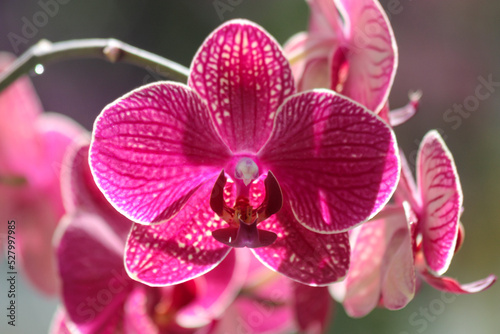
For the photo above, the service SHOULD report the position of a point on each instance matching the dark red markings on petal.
(302, 255)
(242, 74)
(337, 163)
(442, 199)
(167, 254)
(153, 148)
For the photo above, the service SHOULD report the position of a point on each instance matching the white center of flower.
(246, 170)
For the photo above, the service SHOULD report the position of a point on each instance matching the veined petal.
(439, 185)
(167, 254)
(336, 161)
(302, 255)
(242, 74)
(451, 285)
(153, 148)
(372, 52)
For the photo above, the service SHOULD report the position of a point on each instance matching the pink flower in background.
(97, 293)
(422, 231)
(350, 48)
(176, 158)
(32, 145)
(270, 303)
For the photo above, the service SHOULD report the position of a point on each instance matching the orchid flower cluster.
(242, 200)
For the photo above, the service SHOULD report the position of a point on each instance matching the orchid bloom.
(32, 145)
(97, 293)
(350, 48)
(419, 234)
(192, 166)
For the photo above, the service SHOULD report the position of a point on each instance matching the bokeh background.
(445, 47)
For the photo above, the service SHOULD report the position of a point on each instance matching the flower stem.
(108, 49)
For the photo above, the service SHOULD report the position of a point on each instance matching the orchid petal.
(382, 266)
(166, 254)
(451, 285)
(153, 148)
(242, 74)
(78, 186)
(398, 267)
(313, 307)
(89, 253)
(220, 289)
(19, 105)
(325, 18)
(302, 255)
(336, 161)
(255, 316)
(438, 181)
(372, 52)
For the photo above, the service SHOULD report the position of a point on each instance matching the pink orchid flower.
(174, 158)
(350, 48)
(420, 234)
(32, 145)
(270, 303)
(97, 293)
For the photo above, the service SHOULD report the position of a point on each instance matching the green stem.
(108, 49)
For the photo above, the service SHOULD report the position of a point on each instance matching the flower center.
(242, 217)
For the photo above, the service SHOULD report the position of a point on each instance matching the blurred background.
(445, 48)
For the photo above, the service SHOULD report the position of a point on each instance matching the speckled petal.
(302, 255)
(167, 254)
(371, 52)
(242, 74)
(439, 185)
(153, 148)
(337, 161)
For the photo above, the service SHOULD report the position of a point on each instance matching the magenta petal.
(313, 307)
(451, 285)
(441, 193)
(220, 288)
(153, 148)
(372, 52)
(302, 255)
(183, 249)
(336, 162)
(241, 72)
(94, 281)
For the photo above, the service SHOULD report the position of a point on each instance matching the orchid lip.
(242, 217)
